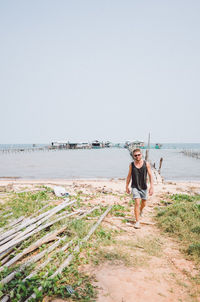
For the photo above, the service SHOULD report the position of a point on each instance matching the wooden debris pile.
(16, 256)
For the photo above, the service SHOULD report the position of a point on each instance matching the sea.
(95, 163)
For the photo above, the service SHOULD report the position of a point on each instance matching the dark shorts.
(143, 194)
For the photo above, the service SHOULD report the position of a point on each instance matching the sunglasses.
(136, 155)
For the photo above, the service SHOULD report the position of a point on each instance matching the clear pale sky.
(110, 70)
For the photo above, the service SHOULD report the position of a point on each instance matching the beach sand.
(161, 278)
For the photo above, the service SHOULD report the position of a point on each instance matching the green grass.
(182, 220)
(119, 210)
(23, 204)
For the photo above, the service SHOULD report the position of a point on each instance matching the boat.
(107, 144)
(134, 144)
(96, 144)
(158, 146)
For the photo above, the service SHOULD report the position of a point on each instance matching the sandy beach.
(167, 277)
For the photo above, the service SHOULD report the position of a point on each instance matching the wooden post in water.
(147, 150)
(161, 160)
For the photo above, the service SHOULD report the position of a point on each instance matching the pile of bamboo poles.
(23, 228)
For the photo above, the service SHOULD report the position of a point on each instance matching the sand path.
(160, 275)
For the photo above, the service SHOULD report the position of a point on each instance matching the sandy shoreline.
(116, 185)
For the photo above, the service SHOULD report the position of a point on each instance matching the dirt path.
(145, 265)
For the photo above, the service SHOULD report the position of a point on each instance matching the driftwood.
(76, 250)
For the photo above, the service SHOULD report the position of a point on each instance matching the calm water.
(96, 163)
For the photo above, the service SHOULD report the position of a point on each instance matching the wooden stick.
(141, 221)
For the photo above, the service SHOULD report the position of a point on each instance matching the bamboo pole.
(76, 250)
(30, 221)
(34, 246)
(24, 234)
(38, 257)
(32, 260)
(40, 229)
(147, 150)
(62, 249)
(42, 265)
(160, 165)
(46, 238)
(5, 253)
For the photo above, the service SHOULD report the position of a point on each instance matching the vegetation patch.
(181, 218)
(24, 204)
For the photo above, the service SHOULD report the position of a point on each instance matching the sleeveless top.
(139, 176)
